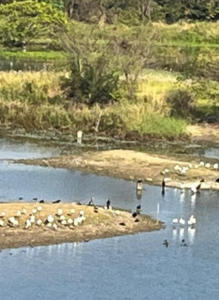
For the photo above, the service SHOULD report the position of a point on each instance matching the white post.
(79, 137)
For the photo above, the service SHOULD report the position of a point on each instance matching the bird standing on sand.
(91, 202)
(108, 204)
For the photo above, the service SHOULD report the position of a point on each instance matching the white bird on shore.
(32, 219)
(50, 219)
(27, 224)
(34, 211)
(13, 222)
(23, 211)
(76, 222)
(2, 223)
(64, 222)
(62, 218)
(215, 166)
(207, 165)
(39, 222)
(70, 221)
(18, 214)
(59, 212)
(39, 208)
(3, 214)
(55, 226)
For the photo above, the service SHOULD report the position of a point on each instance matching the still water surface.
(128, 267)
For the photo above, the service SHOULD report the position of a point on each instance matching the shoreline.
(134, 165)
(101, 224)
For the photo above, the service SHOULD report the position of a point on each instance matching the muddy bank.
(133, 165)
(97, 223)
(204, 133)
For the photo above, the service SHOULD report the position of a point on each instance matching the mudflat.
(132, 165)
(98, 223)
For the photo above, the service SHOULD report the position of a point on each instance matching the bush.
(91, 82)
(181, 102)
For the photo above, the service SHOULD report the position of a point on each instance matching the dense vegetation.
(112, 67)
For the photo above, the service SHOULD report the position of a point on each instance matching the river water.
(127, 267)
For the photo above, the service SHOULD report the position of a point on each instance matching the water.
(212, 153)
(125, 267)
(20, 149)
(128, 267)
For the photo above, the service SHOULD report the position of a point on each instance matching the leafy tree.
(22, 21)
(92, 77)
(105, 64)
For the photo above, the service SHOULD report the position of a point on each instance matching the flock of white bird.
(51, 221)
(182, 222)
(182, 170)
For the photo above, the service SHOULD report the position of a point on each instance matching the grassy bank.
(34, 100)
(179, 88)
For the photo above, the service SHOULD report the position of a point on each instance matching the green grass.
(33, 55)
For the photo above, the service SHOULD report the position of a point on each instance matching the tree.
(93, 79)
(22, 21)
(105, 63)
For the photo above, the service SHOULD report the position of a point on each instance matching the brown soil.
(133, 165)
(204, 133)
(101, 224)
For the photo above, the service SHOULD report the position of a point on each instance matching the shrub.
(181, 102)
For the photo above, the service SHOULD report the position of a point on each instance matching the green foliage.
(91, 82)
(189, 9)
(181, 102)
(22, 21)
(156, 125)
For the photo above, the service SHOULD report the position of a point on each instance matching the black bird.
(56, 201)
(95, 209)
(163, 186)
(134, 214)
(217, 180)
(165, 243)
(41, 201)
(108, 204)
(20, 198)
(183, 243)
(91, 202)
(199, 186)
(122, 224)
(138, 209)
(35, 199)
